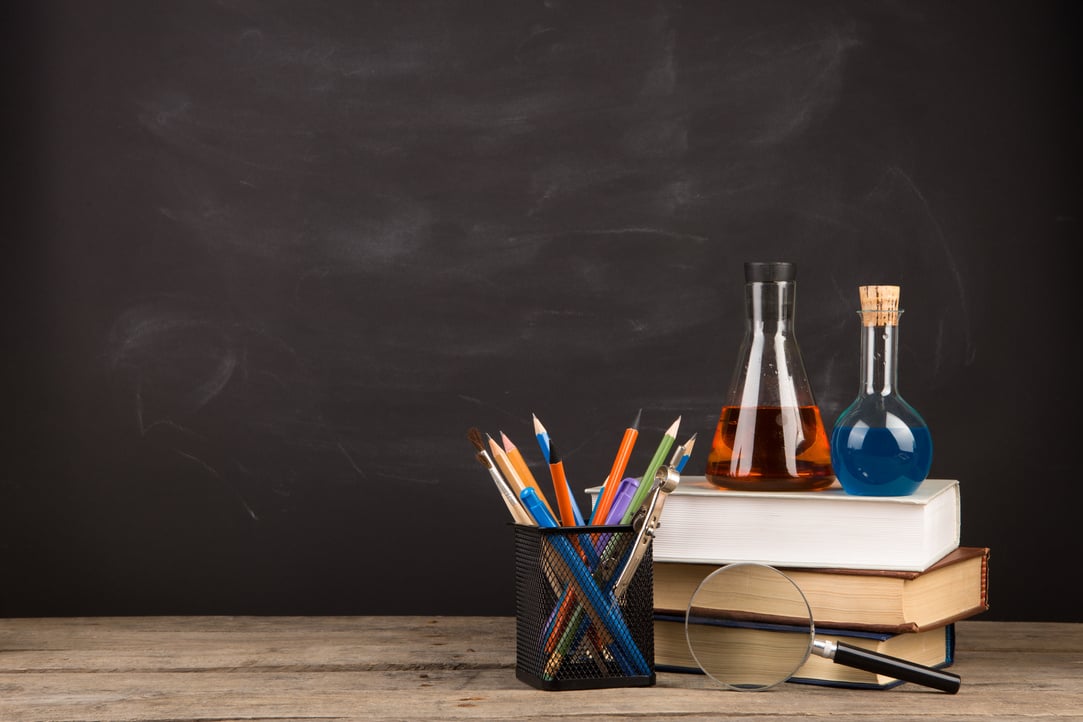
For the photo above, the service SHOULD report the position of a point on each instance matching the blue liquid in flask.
(880, 445)
(881, 461)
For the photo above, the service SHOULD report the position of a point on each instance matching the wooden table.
(449, 668)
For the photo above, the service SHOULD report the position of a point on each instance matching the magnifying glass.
(749, 627)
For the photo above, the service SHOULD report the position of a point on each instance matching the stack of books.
(882, 573)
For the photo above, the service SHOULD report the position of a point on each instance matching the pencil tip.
(508, 446)
(538, 428)
(673, 428)
(635, 424)
(554, 457)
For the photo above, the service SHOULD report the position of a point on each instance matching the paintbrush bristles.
(475, 437)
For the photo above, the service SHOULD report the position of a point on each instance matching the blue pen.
(537, 510)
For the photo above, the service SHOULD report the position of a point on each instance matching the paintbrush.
(518, 513)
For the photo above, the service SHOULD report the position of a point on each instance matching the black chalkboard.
(269, 261)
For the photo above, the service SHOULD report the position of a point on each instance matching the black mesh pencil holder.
(570, 631)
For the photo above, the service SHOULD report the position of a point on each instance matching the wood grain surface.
(451, 668)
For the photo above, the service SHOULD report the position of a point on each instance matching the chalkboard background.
(267, 262)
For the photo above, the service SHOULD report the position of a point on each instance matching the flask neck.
(879, 360)
(769, 306)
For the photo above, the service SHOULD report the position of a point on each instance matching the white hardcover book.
(702, 523)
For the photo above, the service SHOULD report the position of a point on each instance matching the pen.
(625, 492)
(537, 508)
(652, 469)
(545, 519)
(620, 463)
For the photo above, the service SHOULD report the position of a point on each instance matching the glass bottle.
(880, 445)
(770, 435)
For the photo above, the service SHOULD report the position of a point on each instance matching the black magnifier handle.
(877, 663)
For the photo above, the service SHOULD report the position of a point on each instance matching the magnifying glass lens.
(749, 626)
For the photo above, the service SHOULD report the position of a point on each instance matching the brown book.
(956, 587)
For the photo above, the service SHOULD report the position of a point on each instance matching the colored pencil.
(616, 473)
(506, 468)
(687, 446)
(561, 488)
(646, 483)
(525, 475)
(545, 444)
(542, 436)
(511, 499)
(681, 454)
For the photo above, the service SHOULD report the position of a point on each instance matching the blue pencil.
(542, 436)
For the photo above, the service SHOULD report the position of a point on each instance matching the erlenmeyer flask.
(770, 435)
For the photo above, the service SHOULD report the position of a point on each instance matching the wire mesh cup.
(570, 631)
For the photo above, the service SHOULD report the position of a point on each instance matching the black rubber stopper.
(760, 272)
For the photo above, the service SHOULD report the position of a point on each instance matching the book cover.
(704, 524)
(931, 648)
(955, 587)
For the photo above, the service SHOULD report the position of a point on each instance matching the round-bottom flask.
(880, 445)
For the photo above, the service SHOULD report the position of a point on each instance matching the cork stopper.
(879, 305)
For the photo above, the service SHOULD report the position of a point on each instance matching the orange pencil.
(523, 471)
(511, 475)
(620, 463)
(561, 488)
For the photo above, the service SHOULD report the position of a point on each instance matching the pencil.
(511, 500)
(646, 483)
(563, 491)
(519, 464)
(687, 447)
(616, 474)
(546, 448)
(542, 436)
(501, 458)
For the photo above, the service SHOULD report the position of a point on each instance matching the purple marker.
(625, 492)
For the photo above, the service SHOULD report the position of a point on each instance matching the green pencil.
(647, 482)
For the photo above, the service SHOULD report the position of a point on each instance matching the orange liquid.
(770, 448)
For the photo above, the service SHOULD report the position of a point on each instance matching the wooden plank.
(189, 643)
(439, 668)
